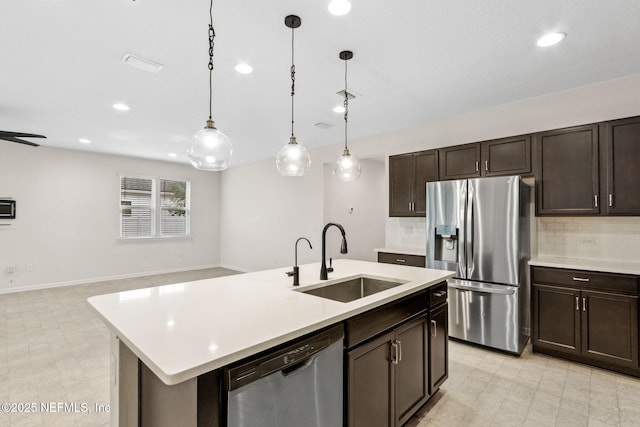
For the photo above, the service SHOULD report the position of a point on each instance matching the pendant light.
(210, 149)
(347, 167)
(293, 159)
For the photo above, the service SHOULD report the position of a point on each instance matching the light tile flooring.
(53, 348)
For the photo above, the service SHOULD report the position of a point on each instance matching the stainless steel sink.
(352, 289)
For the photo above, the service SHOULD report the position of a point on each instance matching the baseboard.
(104, 279)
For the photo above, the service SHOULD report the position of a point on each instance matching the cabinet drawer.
(437, 294)
(402, 259)
(367, 325)
(622, 283)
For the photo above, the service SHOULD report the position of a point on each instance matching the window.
(153, 207)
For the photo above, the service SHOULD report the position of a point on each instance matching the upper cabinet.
(620, 157)
(567, 180)
(460, 161)
(408, 175)
(505, 156)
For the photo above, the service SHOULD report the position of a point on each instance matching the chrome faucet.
(343, 249)
(296, 271)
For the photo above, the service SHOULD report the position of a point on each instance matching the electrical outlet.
(408, 229)
(28, 268)
(11, 269)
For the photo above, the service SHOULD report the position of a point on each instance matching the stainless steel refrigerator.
(480, 228)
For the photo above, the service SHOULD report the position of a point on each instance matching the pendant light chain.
(346, 107)
(293, 79)
(212, 35)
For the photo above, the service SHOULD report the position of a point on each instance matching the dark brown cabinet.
(588, 317)
(506, 156)
(621, 159)
(567, 174)
(408, 174)
(460, 161)
(402, 259)
(392, 368)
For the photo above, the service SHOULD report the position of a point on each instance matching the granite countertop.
(403, 251)
(587, 264)
(184, 330)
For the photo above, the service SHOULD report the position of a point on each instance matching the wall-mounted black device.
(7, 209)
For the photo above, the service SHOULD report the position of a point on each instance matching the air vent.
(142, 63)
(323, 125)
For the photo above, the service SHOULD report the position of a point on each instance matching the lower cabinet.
(595, 321)
(391, 374)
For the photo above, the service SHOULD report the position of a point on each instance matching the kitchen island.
(179, 336)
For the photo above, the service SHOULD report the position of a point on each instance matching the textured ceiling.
(414, 61)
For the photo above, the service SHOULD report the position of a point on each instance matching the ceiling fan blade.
(19, 135)
(18, 140)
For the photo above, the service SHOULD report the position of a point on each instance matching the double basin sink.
(352, 289)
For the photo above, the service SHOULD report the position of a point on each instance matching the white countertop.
(403, 251)
(587, 264)
(184, 330)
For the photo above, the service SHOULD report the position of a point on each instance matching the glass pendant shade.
(347, 167)
(210, 149)
(293, 159)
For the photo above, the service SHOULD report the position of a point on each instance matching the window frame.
(155, 208)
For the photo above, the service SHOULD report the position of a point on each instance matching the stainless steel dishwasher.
(300, 384)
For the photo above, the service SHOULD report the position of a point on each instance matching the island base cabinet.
(388, 377)
(438, 347)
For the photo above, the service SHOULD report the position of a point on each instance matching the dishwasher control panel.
(285, 359)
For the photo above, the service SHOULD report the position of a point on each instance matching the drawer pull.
(434, 329)
(580, 279)
(401, 260)
(440, 293)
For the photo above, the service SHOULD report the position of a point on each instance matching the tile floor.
(53, 348)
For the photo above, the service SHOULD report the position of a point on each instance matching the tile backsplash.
(602, 238)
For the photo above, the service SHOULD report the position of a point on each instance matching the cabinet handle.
(394, 356)
(434, 329)
(477, 166)
(610, 200)
(399, 346)
(413, 206)
(577, 304)
(401, 260)
(439, 293)
(595, 200)
(486, 165)
(580, 279)
(409, 206)
(584, 304)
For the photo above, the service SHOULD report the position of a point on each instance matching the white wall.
(67, 224)
(263, 213)
(359, 206)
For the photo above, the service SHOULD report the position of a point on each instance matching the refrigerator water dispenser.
(446, 243)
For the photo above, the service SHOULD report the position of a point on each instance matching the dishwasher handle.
(296, 368)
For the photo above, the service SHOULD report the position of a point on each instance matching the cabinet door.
(411, 369)
(426, 170)
(556, 318)
(610, 327)
(401, 177)
(370, 384)
(507, 156)
(567, 178)
(438, 347)
(460, 161)
(622, 151)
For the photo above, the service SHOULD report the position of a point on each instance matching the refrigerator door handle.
(469, 225)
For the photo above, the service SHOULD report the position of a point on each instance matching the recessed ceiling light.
(172, 154)
(551, 39)
(244, 68)
(339, 7)
(121, 107)
(338, 109)
(84, 140)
